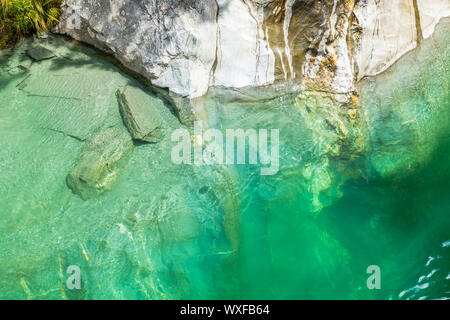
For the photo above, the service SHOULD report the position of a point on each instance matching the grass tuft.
(20, 18)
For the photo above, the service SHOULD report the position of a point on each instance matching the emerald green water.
(167, 231)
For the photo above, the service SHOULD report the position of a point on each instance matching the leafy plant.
(19, 18)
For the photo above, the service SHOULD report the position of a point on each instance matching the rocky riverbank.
(189, 46)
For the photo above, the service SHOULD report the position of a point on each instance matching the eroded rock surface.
(172, 43)
(188, 46)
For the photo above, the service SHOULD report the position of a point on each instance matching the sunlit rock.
(188, 47)
(141, 114)
(171, 42)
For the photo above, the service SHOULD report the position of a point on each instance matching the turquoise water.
(374, 193)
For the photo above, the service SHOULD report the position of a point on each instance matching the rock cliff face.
(188, 46)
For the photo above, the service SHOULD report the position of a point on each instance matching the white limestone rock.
(170, 42)
(430, 14)
(189, 46)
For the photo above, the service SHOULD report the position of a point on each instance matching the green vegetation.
(19, 18)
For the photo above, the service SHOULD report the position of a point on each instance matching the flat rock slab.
(97, 168)
(39, 53)
(141, 114)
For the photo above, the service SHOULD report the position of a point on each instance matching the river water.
(377, 196)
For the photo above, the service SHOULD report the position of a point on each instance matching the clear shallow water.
(208, 232)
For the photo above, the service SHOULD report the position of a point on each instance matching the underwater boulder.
(141, 114)
(39, 53)
(96, 169)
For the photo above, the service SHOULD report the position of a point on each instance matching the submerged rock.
(39, 53)
(97, 168)
(334, 122)
(406, 109)
(15, 61)
(141, 114)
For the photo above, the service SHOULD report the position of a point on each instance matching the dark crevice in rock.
(216, 59)
(418, 23)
